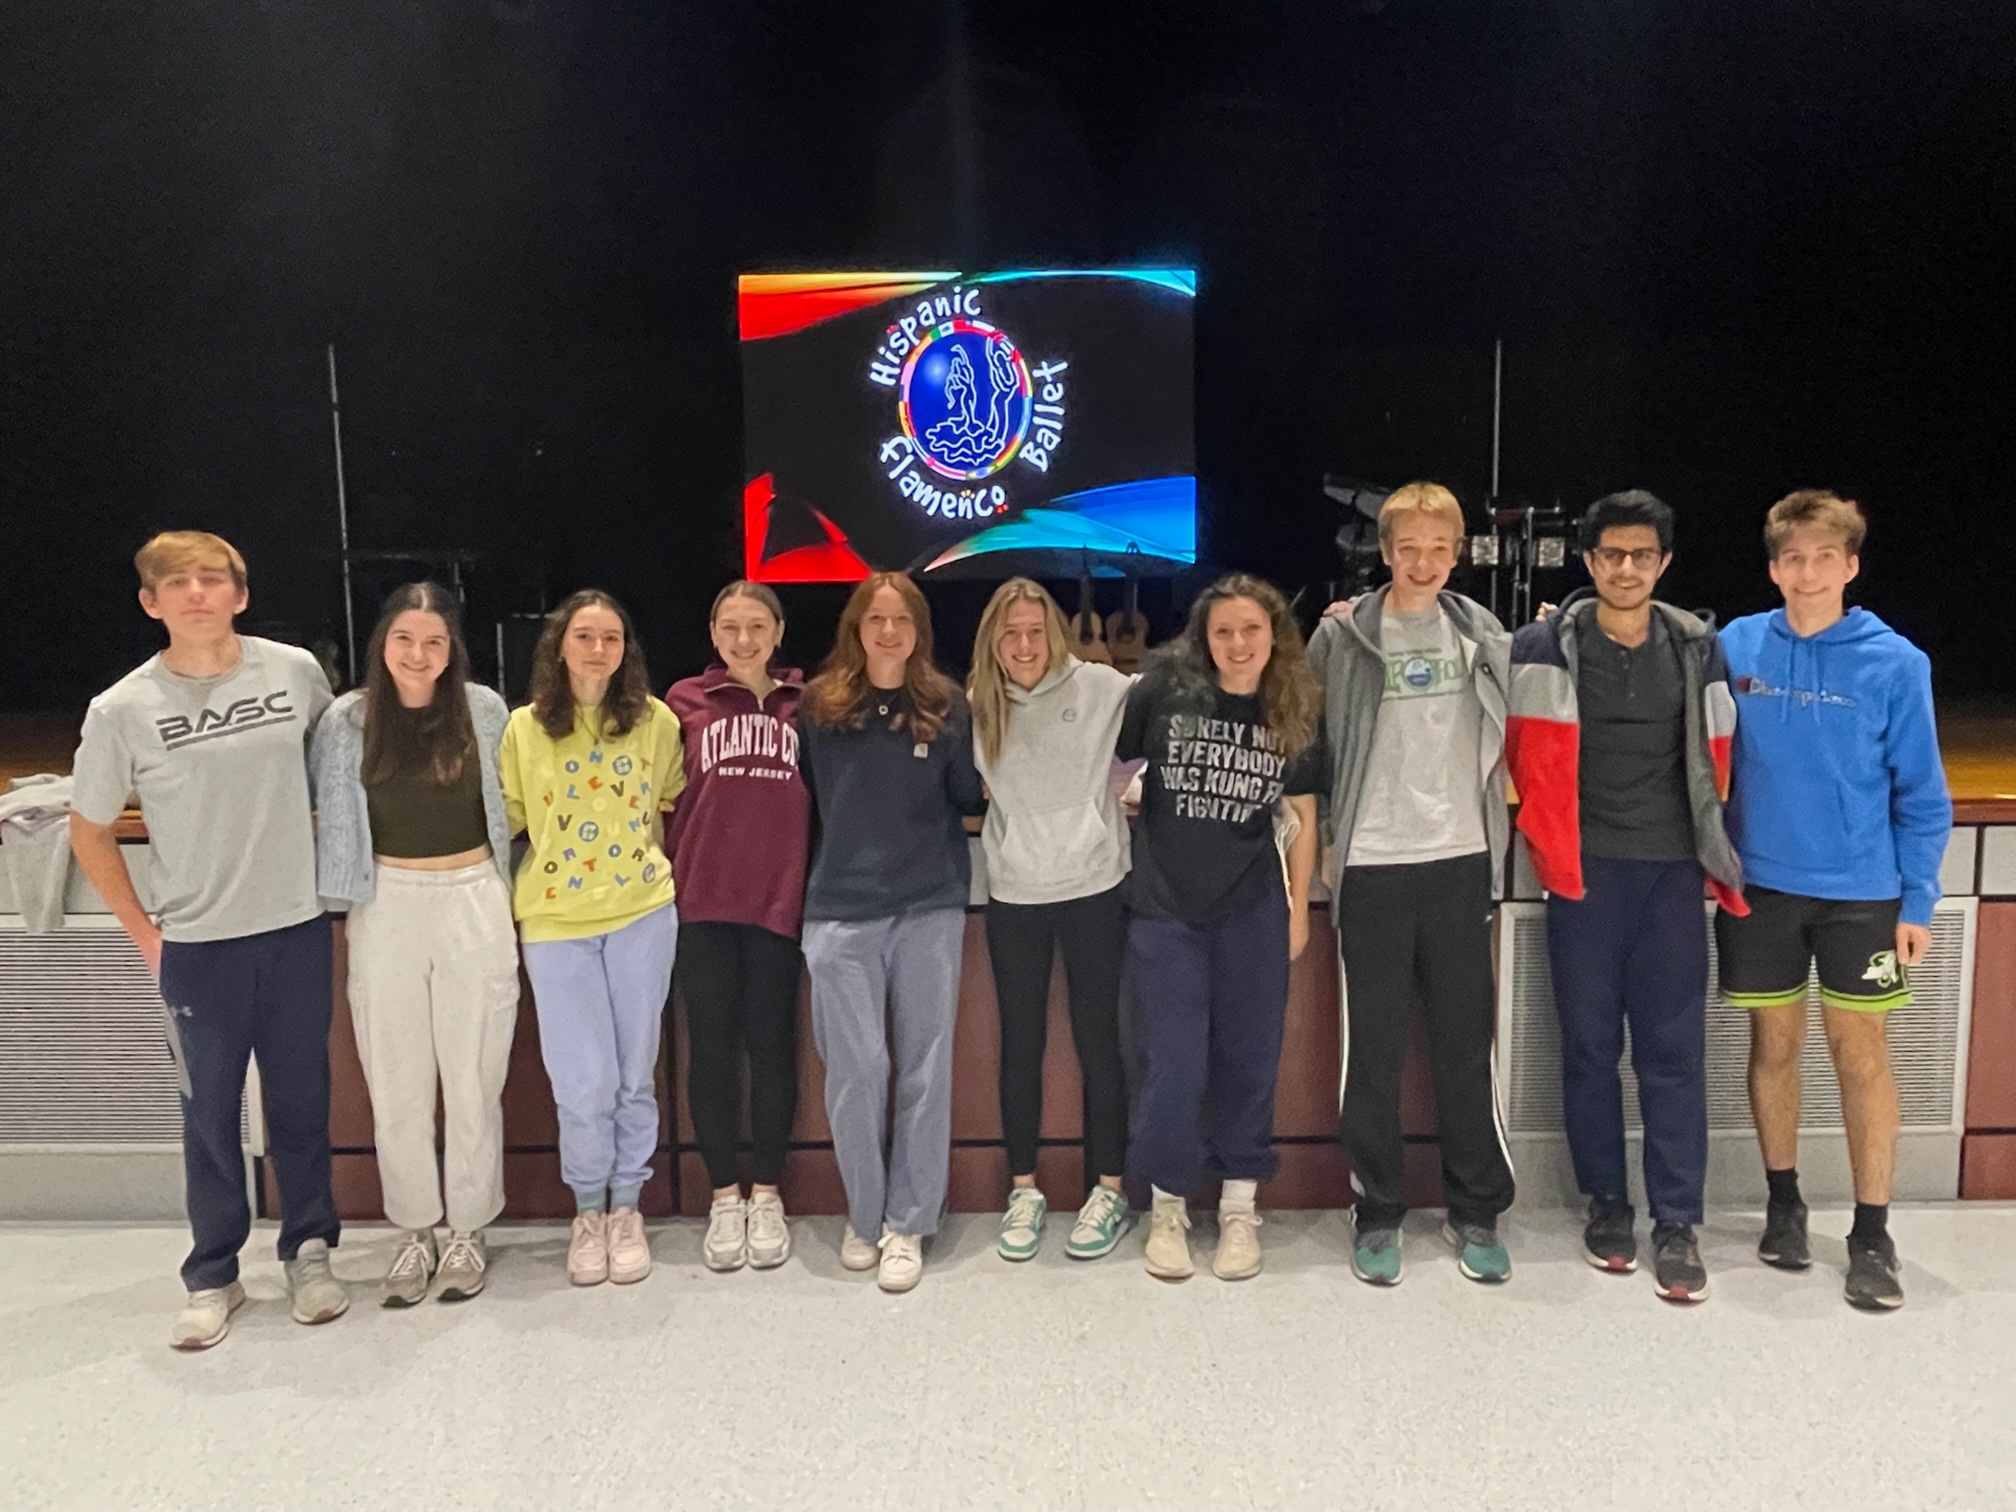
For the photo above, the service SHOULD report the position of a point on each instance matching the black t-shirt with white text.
(1204, 842)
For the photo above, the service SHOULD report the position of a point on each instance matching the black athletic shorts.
(1765, 957)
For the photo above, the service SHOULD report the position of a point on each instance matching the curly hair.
(1290, 700)
(552, 698)
(838, 698)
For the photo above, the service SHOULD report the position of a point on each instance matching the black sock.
(1872, 1220)
(1784, 1187)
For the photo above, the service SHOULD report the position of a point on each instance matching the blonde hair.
(1428, 499)
(987, 685)
(1817, 507)
(179, 550)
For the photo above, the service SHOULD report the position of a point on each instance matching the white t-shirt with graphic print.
(1423, 798)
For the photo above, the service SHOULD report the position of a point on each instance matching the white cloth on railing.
(35, 847)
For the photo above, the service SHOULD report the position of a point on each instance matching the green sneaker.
(1099, 1224)
(1479, 1255)
(1375, 1253)
(1022, 1224)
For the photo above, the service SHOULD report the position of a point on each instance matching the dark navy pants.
(1635, 949)
(1210, 1000)
(266, 995)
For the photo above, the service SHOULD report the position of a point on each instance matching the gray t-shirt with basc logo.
(1423, 798)
(220, 768)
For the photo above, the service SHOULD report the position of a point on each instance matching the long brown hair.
(838, 697)
(629, 692)
(439, 736)
(1289, 697)
(987, 685)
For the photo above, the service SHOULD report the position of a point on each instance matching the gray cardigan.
(344, 870)
(1346, 659)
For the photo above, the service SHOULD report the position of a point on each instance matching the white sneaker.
(769, 1234)
(1238, 1254)
(629, 1250)
(318, 1295)
(859, 1254)
(902, 1261)
(1167, 1253)
(588, 1249)
(727, 1243)
(412, 1267)
(206, 1317)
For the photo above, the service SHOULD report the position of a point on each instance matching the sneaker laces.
(1170, 1217)
(310, 1265)
(726, 1216)
(1231, 1218)
(462, 1252)
(766, 1219)
(1023, 1205)
(411, 1260)
(901, 1247)
(626, 1227)
(1101, 1205)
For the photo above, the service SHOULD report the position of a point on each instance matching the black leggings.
(1022, 940)
(739, 983)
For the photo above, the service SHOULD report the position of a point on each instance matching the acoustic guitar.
(1127, 630)
(1088, 637)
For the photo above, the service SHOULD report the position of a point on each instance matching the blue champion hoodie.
(1837, 787)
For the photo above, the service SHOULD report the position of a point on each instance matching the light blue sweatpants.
(886, 989)
(601, 1005)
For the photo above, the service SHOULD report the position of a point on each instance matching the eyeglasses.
(1645, 558)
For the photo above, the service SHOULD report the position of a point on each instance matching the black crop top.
(414, 817)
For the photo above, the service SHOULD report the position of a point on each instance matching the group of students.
(1788, 764)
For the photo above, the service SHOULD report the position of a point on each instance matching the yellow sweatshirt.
(590, 805)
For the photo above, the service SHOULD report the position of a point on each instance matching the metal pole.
(343, 523)
(1497, 405)
(501, 692)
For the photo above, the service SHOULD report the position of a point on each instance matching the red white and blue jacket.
(1543, 745)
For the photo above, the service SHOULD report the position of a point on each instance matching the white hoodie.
(1055, 829)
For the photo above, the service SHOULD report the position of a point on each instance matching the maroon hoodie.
(741, 831)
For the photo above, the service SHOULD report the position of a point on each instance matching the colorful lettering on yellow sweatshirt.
(589, 804)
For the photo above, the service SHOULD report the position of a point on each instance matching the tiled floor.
(1049, 1385)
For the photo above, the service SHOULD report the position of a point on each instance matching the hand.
(1341, 610)
(1913, 940)
(1298, 932)
(1545, 612)
(148, 943)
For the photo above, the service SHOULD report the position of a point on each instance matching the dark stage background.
(1732, 248)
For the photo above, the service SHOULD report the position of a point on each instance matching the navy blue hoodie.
(1837, 790)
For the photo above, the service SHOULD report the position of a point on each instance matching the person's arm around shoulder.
(668, 754)
(102, 779)
(962, 776)
(510, 776)
(1921, 809)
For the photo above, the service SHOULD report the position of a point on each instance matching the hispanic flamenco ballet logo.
(966, 400)
(968, 405)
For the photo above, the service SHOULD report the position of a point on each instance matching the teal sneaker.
(1099, 1224)
(1022, 1224)
(1375, 1253)
(1479, 1255)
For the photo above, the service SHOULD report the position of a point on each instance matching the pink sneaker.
(629, 1250)
(588, 1250)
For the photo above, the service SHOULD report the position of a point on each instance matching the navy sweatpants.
(1210, 1000)
(268, 995)
(1635, 949)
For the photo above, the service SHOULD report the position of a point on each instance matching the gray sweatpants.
(886, 989)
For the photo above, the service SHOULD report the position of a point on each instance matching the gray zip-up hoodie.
(1347, 661)
(1055, 829)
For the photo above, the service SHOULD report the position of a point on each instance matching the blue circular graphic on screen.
(966, 399)
(1417, 672)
